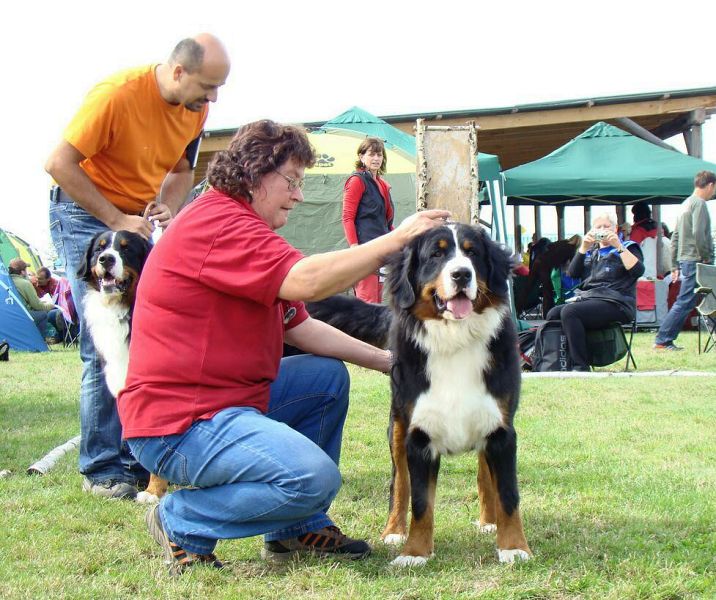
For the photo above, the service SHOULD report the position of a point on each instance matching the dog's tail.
(362, 320)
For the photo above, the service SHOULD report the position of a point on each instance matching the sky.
(298, 62)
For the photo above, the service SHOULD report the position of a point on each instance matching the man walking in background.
(691, 243)
(126, 163)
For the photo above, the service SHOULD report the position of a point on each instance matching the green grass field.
(617, 476)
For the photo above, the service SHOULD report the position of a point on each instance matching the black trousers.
(577, 317)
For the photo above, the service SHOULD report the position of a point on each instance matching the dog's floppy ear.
(401, 284)
(85, 270)
(499, 265)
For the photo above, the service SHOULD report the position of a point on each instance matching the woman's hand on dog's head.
(421, 222)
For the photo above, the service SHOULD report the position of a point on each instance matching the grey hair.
(605, 215)
(189, 54)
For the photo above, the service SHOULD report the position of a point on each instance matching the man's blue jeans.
(103, 455)
(684, 304)
(247, 473)
(40, 318)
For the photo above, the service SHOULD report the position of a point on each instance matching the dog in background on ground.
(553, 255)
(111, 269)
(455, 381)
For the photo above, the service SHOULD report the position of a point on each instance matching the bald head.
(196, 69)
(196, 52)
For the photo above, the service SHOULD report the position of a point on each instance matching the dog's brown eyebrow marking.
(102, 243)
(442, 244)
(466, 245)
(123, 243)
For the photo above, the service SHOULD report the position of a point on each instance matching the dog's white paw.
(486, 527)
(510, 556)
(147, 498)
(409, 561)
(395, 539)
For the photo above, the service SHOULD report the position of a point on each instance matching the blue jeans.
(40, 318)
(251, 473)
(684, 304)
(103, 455)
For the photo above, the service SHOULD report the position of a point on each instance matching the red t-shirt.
(49, 288)
(207, 329)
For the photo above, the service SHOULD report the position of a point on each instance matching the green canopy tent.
(604, 165)
(315, 224)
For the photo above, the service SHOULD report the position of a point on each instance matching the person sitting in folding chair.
(68, 323)
(609, 269)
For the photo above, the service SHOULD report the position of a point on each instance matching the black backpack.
(551, 351)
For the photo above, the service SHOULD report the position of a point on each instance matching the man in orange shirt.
(126, 162)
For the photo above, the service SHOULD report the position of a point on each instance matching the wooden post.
(621, 214)
(518, 229)
(474, 175)
(587, 218)
(538, 222)
(656, 215)
(421, 166)
(560, 222)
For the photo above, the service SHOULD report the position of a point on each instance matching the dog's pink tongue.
(460, 307)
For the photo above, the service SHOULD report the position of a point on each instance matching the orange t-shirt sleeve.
(90, 129)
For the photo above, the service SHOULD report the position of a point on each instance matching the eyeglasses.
(293, 184)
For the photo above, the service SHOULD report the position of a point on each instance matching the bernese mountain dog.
(455, 381)
(111, 269)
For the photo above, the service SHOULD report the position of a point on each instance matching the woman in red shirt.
(209, 403)
(368, 209)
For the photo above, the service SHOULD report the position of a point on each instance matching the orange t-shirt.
(131, 137)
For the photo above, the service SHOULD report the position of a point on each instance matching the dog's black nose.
(461, 276)
(106, 260)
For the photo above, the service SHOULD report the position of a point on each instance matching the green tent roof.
(605, 165)
(359, 120)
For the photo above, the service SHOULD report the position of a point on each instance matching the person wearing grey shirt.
(691, 243)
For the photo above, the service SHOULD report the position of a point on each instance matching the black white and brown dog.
(111, 269)
(455, 380)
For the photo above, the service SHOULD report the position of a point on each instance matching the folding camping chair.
(609, 345)
(64, 300)
(706, 281)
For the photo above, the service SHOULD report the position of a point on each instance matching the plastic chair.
(706, 281)
(609, 345)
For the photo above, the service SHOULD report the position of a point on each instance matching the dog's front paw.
(409, 561)
(486, 527)
(510, 556)
(147, 498)
(395, 539)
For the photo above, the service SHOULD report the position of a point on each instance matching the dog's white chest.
(109, 327)
(457, 411)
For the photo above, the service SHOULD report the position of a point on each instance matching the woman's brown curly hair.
(376, 145)
(257, 148)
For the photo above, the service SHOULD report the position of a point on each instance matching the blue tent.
(16, 324)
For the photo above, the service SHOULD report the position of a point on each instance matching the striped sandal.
(177, 559)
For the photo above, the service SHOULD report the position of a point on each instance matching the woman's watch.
(621, 248)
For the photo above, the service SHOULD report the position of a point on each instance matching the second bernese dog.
(111, 270)
(455, 381)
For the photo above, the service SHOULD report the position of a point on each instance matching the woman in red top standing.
(368, 209)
